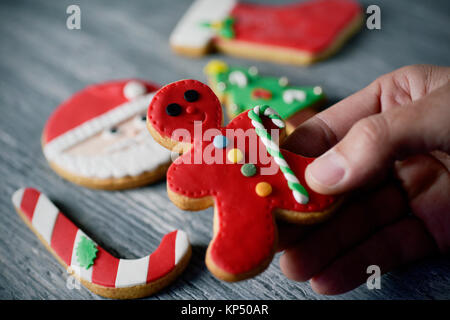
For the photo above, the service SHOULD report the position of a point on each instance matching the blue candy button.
(220, 142)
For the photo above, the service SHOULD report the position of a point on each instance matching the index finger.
(325, 129)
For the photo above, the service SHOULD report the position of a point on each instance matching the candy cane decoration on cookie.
(105, 275)
(299, 192)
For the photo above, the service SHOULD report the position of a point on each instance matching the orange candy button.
(263, 189)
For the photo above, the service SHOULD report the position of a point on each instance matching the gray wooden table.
(43, 63)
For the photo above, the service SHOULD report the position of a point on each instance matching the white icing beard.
(129, 157)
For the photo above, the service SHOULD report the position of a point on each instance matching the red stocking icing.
(245, 199)
(310, 26)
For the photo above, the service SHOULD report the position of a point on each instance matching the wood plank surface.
(42, 63)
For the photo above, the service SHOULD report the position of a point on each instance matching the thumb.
(374, 143)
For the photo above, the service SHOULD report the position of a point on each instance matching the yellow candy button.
(215, 67)
(263, 189)
(235, 155)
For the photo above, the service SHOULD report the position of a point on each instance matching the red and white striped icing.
(63, 237)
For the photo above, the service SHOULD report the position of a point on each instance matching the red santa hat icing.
(92, 110)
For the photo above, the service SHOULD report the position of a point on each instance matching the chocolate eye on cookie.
(140, 120)
(173, 109)
(191, 95)
(111, 132)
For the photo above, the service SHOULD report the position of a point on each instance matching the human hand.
(390, 145)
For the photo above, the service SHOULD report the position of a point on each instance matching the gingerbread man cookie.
(98, 137)
(241, 88)
(239, 169)
(297, 33)
(98, 270)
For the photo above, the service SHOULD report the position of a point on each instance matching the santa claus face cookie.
(297, 33)
(227, 167)
(98, 137)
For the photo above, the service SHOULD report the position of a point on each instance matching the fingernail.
(328, 169)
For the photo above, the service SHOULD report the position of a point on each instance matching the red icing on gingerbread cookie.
(247, 186)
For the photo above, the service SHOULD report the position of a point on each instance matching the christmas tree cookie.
(241, 88)
(296, 33)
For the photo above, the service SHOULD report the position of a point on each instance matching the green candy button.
(248, 170)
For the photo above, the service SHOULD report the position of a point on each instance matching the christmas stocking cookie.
(98, 137)
(239, 169)
(241, 88)
(297, 33)
(98, 270)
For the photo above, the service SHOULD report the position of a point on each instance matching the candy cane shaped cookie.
(98, 270)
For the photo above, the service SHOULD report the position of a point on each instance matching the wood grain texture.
(43, 63)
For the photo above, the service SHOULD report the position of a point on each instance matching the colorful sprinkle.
(234, 108)
(253, 71)
(317, 90)
(263, 189)
(238, 78)
(292, 95)
(220, 142)
(261, 93)
(235, 155)
(248, 170)
(221, 86)
(283, 81)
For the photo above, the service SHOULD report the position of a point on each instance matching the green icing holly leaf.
(205, 24)
(86, 252)
(224, 28)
